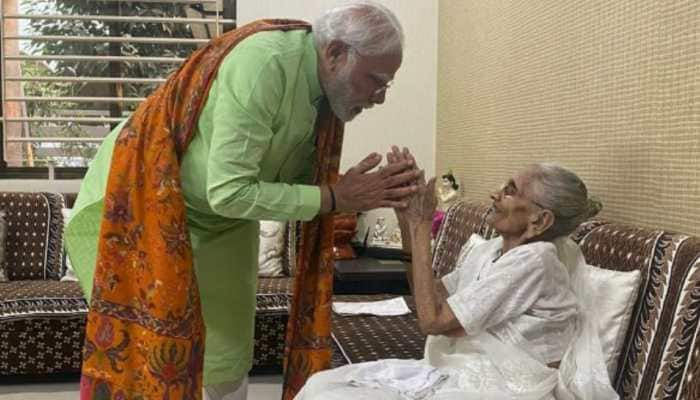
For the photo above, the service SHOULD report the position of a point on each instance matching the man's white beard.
(340, 93)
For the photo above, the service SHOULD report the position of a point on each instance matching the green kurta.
(253, 150)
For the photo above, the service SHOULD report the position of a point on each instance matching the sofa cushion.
(28, 299)
(272, 247)
(35, 235)
(615, 295)
(42, 324)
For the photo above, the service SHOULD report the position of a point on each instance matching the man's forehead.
(384, 64)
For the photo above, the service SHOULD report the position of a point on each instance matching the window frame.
(224, 18)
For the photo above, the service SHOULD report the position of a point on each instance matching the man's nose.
(379, 96)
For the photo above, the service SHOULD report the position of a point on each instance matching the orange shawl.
(145, 333)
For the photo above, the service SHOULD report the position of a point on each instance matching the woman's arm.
(434, 314)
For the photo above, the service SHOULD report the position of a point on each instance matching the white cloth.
(271, 248)
(227, 391)
(519, 311)
(69, 275)
(382, 308)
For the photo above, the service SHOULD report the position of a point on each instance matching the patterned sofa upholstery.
(661, 353)
(42, 319)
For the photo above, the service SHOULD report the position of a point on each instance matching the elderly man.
(236, 125)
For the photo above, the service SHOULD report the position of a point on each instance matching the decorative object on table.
(395, 239)
(345, 228)
(380, 244)
(379, 232)
(447, 194)
(447, 191)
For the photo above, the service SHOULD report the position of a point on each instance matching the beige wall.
(610, 89)
(407, 117)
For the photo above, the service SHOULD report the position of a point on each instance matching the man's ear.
(336, 54)
(539, 223)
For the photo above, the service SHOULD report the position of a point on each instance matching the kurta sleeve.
(513, 284)
(249, 92)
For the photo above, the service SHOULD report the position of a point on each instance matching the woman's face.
(512, 210)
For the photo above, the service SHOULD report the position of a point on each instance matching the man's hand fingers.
(397, 153)
(393, 204)
(400, 193)
(367, 164)
(395, 168)
(401, 179)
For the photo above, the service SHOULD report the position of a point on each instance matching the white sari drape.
(486, 365)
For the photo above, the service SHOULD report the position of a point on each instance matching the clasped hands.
(400, 184)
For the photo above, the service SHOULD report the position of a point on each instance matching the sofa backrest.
(662, 336)
(661, 353)
(33, 248)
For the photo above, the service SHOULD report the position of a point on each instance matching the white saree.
(521, 311)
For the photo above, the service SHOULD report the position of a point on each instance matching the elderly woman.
(499, 325)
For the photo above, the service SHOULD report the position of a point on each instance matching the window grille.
(71, 70)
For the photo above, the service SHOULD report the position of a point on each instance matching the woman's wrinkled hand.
(421, 206)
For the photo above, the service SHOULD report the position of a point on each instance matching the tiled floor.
(259, 388)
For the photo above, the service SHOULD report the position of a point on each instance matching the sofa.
(42, 319)
(660, 357)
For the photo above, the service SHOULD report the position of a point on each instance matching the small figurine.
(395, 239)
(448, 192)
(379, 233)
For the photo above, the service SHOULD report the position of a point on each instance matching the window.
(72, 70)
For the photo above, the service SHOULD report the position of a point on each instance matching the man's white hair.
(367, 27)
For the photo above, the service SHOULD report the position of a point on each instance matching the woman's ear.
(539, 223)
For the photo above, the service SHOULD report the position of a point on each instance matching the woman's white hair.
(367, 27)
(564, 193)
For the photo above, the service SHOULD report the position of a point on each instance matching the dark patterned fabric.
(270, 329)
(361, 338)
(41, 327)
(338, 358)
(658, 355)
(35, 235)
(277, 285)
(585, 228)
(41, 345)
(3, 238)
(461, 221)
(683, 347)
(271, 315)
(29, 299)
